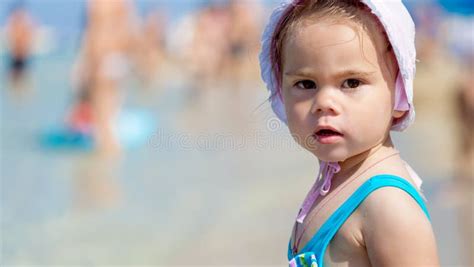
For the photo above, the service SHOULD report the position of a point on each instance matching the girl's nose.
(324, 102)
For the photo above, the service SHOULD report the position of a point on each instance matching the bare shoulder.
(396, 231)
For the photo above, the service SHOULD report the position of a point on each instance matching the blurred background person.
(464, 175)
(20, 30)
(208, 46)
(459, 33)
(107, 52)
(243, 42)
(444, 97)
(153, 47)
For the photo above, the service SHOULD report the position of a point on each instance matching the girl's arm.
(396, 231)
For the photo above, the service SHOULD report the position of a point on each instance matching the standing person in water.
(20, 31)
(340, 73)
(105, 58)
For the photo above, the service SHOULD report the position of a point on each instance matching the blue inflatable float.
(134, 128)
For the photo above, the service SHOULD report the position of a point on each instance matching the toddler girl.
(340, 73)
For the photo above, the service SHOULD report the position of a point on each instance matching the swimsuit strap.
(328, 230)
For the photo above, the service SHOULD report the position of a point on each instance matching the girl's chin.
(331, 157)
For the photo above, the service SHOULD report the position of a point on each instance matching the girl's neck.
(361, 161)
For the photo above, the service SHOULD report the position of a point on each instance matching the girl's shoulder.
(390, 198)
(393, 191)
(395, 228)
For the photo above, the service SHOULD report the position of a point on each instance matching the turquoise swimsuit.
(313, 252)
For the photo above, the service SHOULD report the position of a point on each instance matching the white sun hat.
(400, 29)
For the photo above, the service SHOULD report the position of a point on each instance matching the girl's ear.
(397, 114)
(392, 63)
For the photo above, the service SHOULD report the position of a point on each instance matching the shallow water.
(212, 185)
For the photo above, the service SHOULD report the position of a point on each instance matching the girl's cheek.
(291, 108)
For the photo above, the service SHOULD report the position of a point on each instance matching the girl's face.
(338, 89)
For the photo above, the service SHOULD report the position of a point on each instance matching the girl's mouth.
(327, 136)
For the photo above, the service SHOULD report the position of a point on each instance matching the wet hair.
(329, 10)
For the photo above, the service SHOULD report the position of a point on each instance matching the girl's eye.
(351, 83)
(306, 84)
